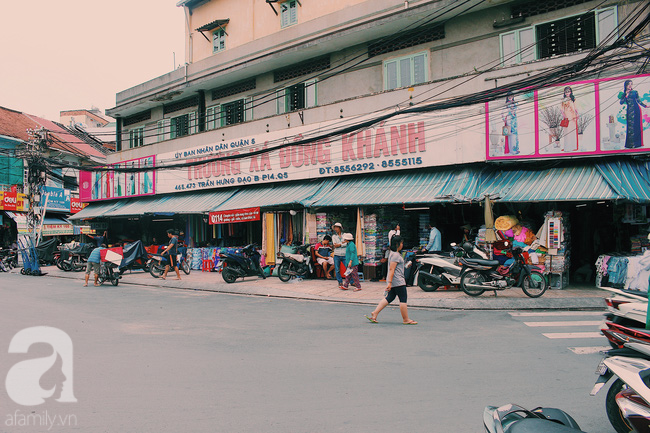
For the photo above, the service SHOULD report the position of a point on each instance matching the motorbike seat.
(481, 262)
(532, 425)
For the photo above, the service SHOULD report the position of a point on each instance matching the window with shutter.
(568, 35)
(136, 137)
(218, 40)
(232, 112)
(288, 13)
(180, 126)
(406, 71)
(212, 119)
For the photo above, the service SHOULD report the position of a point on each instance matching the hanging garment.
(640, 280)
(617, 270)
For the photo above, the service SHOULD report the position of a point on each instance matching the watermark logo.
(23, 381)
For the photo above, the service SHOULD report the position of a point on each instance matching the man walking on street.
(171, 250)
(435, 240)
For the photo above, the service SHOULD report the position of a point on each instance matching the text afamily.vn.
(40, 419)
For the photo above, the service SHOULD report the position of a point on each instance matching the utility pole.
(36, 177)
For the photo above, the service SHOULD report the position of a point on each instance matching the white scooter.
(627, 401)
(435, 270)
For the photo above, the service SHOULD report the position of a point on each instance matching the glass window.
(136, 137)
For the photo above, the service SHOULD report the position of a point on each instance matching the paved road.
(162, 360)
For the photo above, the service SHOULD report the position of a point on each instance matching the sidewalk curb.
(467, 303)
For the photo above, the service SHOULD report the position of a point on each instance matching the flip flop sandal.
(371, 319)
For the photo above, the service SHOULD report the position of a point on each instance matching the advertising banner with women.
(566, 116)
(601, 116)
(624, 117)
(512, 125)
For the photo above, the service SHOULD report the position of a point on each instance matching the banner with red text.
(235, 216)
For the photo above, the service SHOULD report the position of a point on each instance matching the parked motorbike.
(435, 270)
(618, 335)
(480, 275)
(244, 263)
(46, 252)
(627, 399)
(74, 259)
(158, 262)
(109, 272)
(298, 264)
(626, 311)
(8, 260)
(135, 257)
(512, 418)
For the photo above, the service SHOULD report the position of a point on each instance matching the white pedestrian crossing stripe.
(567, 323)
(563, 322)
(555, 313)
(588, 350)
(555, 335)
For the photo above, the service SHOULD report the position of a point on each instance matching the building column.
(118, 134)
(201, 110)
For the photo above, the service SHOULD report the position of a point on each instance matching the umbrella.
(490, 236)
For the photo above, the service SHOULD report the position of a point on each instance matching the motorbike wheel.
(282, 272)
(229, 275)
(472, 277)
(115, 278)
(427, 283)
(186, 267)
(534, 284)
(60, 263)
(614, 414)
(156, 271)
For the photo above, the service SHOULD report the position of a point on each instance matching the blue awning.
(302, 194)
(446, 185)
(602, 181)
(95, 210)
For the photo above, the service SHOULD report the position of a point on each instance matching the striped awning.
(614, 180)
(399, 188)
(301, 194)
(95, 210)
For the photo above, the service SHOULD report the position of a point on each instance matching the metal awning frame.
(213, 25)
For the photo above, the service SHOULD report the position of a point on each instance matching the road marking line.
(573, 335)
(556, 313)
(568, 323)
(588, 350)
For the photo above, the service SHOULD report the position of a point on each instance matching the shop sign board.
(76, 205)
(593, 117)
(57, 229)
(99, 226)
(235, 216)
(13, 201)
(58, 199)
(401, 143)
(110, 184)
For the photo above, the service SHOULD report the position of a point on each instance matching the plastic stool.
(361, 276)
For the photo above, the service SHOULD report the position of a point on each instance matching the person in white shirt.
(435, 240)
(394, 231)
(339, 250)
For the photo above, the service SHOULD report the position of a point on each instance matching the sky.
(75, 54)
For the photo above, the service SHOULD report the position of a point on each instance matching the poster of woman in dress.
(146, 176)
(566, 119)
(131, 176)
(511, 125)
(624, 116)
(118, 182)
